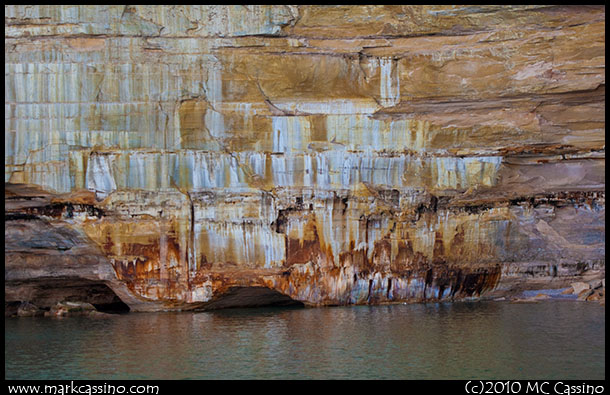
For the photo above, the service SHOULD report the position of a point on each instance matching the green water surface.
(468, 340)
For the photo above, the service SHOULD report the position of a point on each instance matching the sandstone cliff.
(336, 155)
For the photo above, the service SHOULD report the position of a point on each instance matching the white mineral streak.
(244, 236)
(362, 132)
(331, 106)
(329, 170)
(243, 244)
(49, 101)
(389, 84)
(177, 21)
(100, 175)
(290, 134)
(214, 120)
(338, 230)
(352, 132)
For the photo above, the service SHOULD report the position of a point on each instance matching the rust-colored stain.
(155, 264)
(427, 254)
(155, 260)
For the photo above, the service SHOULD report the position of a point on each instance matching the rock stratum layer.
(192, 157)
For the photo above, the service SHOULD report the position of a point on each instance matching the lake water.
(553, 339)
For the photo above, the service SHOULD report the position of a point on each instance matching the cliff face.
(336, 155)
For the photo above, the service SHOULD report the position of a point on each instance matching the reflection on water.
(485, 340)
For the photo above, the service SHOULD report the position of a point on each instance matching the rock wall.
(334, 154)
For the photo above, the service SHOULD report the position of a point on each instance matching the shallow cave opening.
(117, 306)
(44, 293)
(238, 297)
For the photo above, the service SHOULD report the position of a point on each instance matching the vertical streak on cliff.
(390, 83)
(193, 263)
(163, 256)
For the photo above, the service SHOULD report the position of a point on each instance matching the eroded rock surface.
(332, 154)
